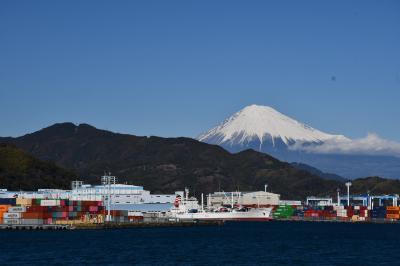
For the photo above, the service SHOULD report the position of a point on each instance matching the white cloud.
(372, 144)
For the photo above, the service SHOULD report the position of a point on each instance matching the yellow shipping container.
(24, 202)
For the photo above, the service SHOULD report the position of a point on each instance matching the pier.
(109, 225)
(35, 227)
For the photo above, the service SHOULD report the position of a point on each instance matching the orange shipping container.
(4, 208)
(392, 208)
(393, 216)
(32, 215)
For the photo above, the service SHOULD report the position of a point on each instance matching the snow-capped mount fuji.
(265, 129)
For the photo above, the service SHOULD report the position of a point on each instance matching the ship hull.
(256, 215)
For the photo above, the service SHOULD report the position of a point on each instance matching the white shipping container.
(341, 213)
(290, 202)
(49, 202)
(17, 209)
(12, 221)
(12, 215)
(135, 213)
(32, 221)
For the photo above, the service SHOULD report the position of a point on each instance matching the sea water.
(236, 243)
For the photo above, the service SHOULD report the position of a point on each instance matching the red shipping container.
(32, 215)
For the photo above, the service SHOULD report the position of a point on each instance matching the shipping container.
(11, 221)
(17, 209)
(32, 221)
(135, 213)
(15, 215)
(8, 201)
(4, 208)
(33, 215)
(393, 216)
(49, 202)
(23, 202)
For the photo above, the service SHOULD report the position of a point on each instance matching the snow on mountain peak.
(264, 122)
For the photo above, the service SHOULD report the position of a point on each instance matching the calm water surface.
(270, 243)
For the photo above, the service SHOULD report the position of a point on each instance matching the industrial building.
(256, 198)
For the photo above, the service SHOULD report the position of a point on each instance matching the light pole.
(338, 197)
(107, 181)
(348, 184)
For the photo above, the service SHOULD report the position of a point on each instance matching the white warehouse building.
(256, 198)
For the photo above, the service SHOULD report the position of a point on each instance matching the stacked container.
(50, 211)
(322, 212)
(393, 212)
(135, 216)
(283, 211)
(378, 212)
(362, 212)
(340, 211)
(8, 201)
(3, 209)
(13, 215)
(311, 213)
(23, 202)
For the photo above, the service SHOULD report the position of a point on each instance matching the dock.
(148, 225)
(335, 220)
(35, 227)
(110, 225)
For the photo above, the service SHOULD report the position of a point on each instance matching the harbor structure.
(255, 198)
(111, 202)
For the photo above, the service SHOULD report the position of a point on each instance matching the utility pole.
(202, 202)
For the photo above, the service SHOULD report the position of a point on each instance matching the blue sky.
(177, 68)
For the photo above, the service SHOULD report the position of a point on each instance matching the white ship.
(189, 209)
